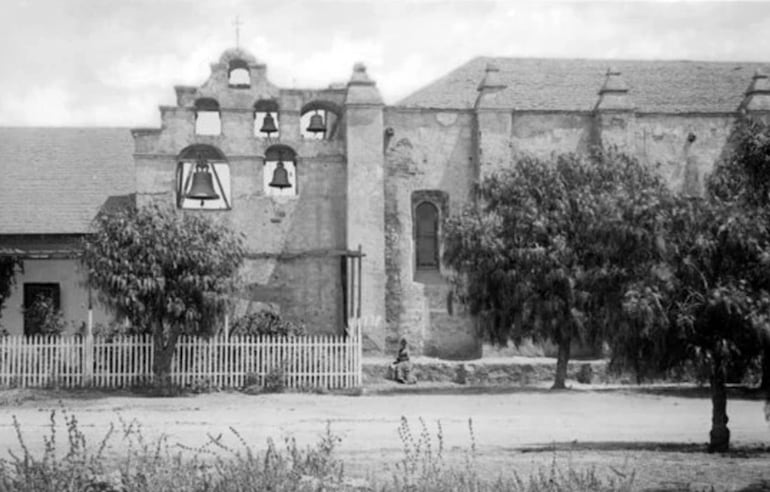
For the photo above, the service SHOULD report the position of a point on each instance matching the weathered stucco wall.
(503, 135)
(543, 134)
(661, 141)
(426, 150)
(74, 297)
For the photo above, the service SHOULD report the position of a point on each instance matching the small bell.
(268, 125)
(316, 124)
(280, 177)
(202, 183)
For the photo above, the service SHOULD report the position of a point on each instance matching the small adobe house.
(310, 175)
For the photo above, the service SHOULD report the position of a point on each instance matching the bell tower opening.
(207, 118)
(319, 120)
(280, 171)
(203, 179)
(238, 74)
(266, 119)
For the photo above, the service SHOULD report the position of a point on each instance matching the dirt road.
(503, 424)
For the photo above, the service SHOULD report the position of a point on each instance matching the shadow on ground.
(743, 451)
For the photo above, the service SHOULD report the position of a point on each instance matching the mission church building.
(341, 198)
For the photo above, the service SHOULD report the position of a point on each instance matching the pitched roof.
(573, 85)
(55, 180)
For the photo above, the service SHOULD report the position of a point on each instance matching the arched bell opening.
(320, 120)
(238, 76)
(280, 171)
(207, 117)
(203, 179)
(266, 124)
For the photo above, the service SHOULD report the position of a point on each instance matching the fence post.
(88, 350)
(359, 352)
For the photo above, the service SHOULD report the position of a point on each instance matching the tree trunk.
(720, 434)
(163, 354)
(765, 384)
(562, 360)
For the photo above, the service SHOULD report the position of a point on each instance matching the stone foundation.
(515, 371)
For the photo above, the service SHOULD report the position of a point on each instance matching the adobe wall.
(73, 297)
(426, 151)
(658, 140)
(661, 141)
(446, 151)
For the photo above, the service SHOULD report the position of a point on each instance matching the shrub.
(43, 317)
(275, 380)
(265, 323)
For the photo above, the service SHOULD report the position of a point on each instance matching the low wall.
(514, 371)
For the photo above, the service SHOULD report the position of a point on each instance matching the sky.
(112, 63)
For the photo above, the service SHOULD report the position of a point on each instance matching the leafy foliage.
(744, 176)
(547, 247)
(8, 267)
(705, 300)
(167, 273)
(265, 323)
(43, 317)
(706, 296)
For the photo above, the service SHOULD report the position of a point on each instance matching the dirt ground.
(659, 437)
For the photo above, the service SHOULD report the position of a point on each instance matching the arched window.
(266, 122)
(319, 120)
(426, 236)
(203, 179)
(238, 74)
(207, 121)
(280, 171)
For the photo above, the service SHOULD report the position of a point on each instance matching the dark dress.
(402, 367)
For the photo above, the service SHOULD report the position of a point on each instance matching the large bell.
(202, 184)
(316, 124)
(268, 125)
(280, 177)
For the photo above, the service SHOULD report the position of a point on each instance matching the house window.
(238, 75)
(319, 120)
(266, 119)
(426, 236)
(207, 118)
(42, 302)
(203, 179)
(280, 171)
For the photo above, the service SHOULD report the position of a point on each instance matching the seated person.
(402, 367)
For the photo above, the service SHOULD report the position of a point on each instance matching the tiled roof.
(573, 85)
(55, 180)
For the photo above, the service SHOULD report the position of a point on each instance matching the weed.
(275, 380)
(423, 468)
(69, 463)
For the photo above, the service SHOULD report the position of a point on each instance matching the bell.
(268, 124)
(202, 184)
(280, 177)
(316, 124)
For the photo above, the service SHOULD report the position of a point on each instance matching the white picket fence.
(331, 362)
